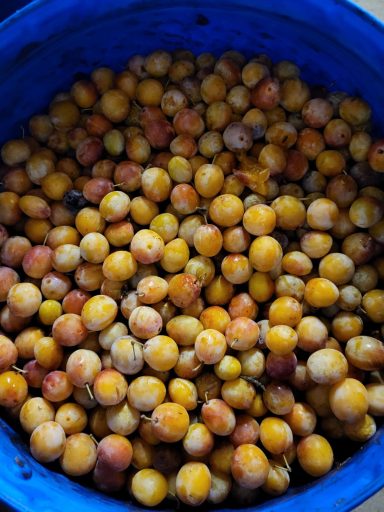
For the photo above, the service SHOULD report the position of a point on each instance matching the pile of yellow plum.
(191, 279)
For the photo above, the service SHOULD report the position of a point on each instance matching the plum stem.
(286, 463)
(94, 439)
(19, 370)
(89, 392)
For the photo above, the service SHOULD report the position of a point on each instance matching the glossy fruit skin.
(24, 299)
(47, 441)
(193, 482)
(365, 352)
(35, 411)
(155, 481)
(211, 412)
(348, 400)
(115, 452)
(8, 352)
(315, 455)
(265, 253)
(69, 330)
(167, 415)
(249, 466)
(78, 443)
(275, 435)
(327, 366)
(98, 312)
(13, 389)
(183, 289)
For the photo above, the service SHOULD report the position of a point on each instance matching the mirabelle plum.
(285, 311)
(265, 253)
(218, 416)
(249, 466)
(149, 487)
(315, 455)
(47, 441)
(13, 389)
(79, 455)
(170, 422)
(275, 435)
(348, 400)
(193, 483)
(98, 312)
(145, 393)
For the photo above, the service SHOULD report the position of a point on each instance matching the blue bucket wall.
(46, 44)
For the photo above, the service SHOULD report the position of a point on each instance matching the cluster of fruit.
(191, 256)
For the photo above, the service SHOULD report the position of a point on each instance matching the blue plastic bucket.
(44, 45)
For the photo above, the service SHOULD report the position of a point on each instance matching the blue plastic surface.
(46, 44)
(10, 7)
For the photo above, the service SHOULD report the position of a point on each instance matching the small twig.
(253, 380)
